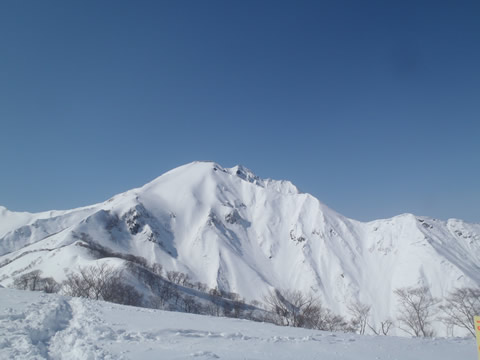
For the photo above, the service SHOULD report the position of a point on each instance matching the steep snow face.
(41, 326)
(231, 229)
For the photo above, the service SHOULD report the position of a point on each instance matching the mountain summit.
(230, 229)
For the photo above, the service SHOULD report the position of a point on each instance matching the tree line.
(417, 311)
(170, 290)
(175, 291)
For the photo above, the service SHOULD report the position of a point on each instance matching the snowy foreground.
(34, 325)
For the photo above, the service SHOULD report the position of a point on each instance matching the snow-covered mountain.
(45, 326)
(232, 229)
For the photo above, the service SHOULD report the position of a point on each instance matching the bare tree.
(293, 308)
(215, 292)
(185, 280)
(140, 260)
(213, 308)
(360, 313)
(165, 290)
(231, 295)
(238, 308)
(279, 306)
(33, 281)
(460, 308)
(190, 305)
(29, 281)
(155, 302)
(329, 321)
(417, 308)
(227, 309)
(200, 286)
(157, 269)
(175, 277)
(384, 328)
(122, 293)
(50, 285)
(143, 274)
(175, 294)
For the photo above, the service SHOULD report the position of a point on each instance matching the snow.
(231, 229)
(41, 326)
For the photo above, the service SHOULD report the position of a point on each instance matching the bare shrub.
(101, 282)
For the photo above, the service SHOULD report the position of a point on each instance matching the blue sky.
(371, 106)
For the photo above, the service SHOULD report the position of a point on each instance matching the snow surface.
(231, 229)
(41, 326)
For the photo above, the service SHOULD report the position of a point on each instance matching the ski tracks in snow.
(83, 337)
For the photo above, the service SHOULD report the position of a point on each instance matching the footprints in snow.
(31, 332)
(53, 327)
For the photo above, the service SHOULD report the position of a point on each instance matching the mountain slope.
(231, 229)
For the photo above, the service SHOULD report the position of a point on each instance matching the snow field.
(41, 326)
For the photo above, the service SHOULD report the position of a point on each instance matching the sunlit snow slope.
(231, 229)
(40, 326)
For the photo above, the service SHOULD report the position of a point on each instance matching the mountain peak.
(243, 173)
(231, 229)
(198, 171)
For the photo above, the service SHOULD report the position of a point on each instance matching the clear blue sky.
(371, 106)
